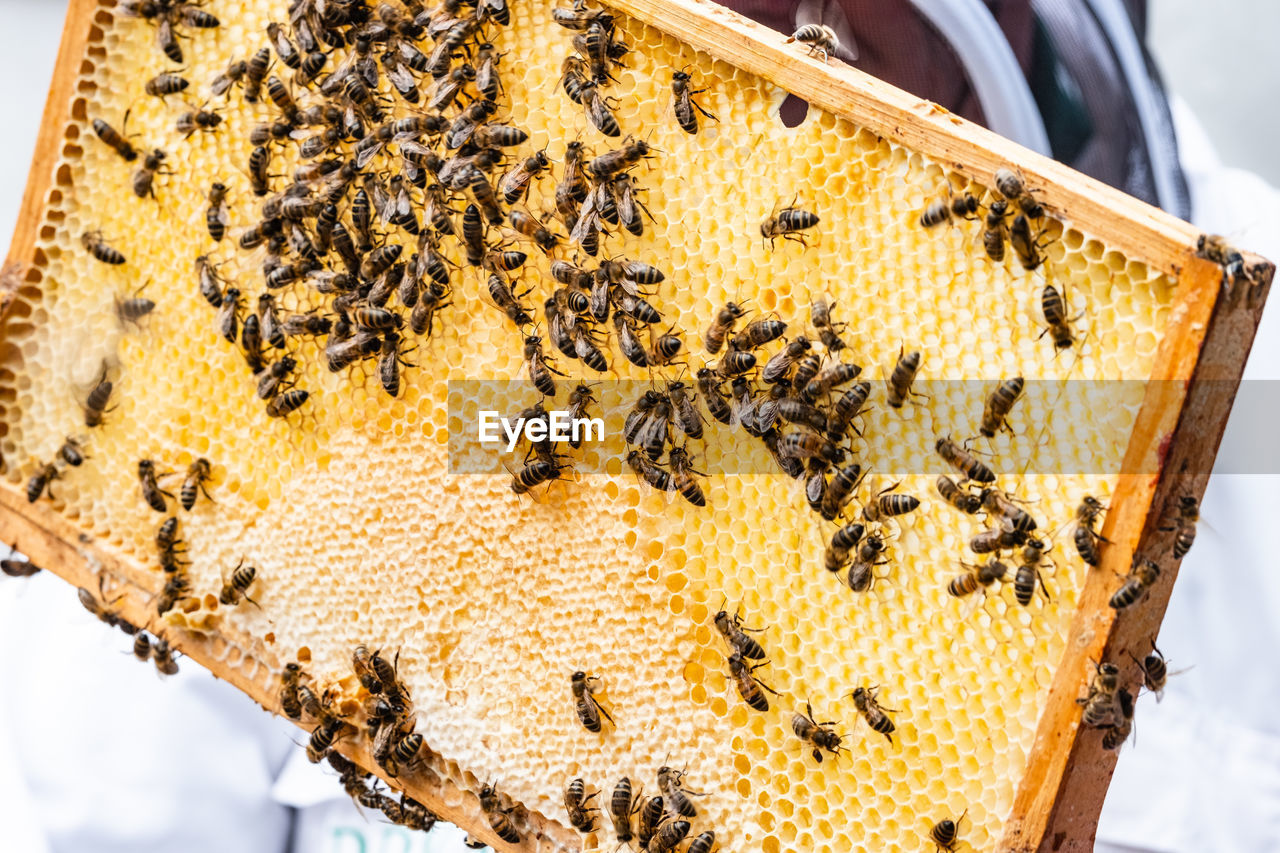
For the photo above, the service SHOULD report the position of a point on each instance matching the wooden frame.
(1179, 427)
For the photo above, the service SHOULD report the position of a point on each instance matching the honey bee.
(758, 333)
(1028, 577)
(713, 397)
(162, 657)
(97, 247)
(735, 636)
(999, 403)
(1114, 737)
(609, 164)
(242, 577)
(960, 498)
(671, 784)
(945, 833)
(1136, 584)
(1011, 185)
(807, 445)
(176, 587)
(630, 209)
(115, 140)
(887, 503)
(534, 474)
(1215, 248)
(1155, 671)
(95, 404)
(977, 577)
(682, 476)
(702, 843)
(655, 476)
(283, 404)
(144, 178)
(599, 109)
(1024, 244)
(582, 816)
(585, 705)
(1188, 515)
(845, 409)
(820, 316)
(273, 376)
(42, 481)
(540, 373)
(72, 452)
(402, 751)
(289, 702)
(323, 738)
(818, 38)
(819, 734)
(904, 373)
(953, 207)
(390, 362)
(233, 75)
(622, 806)
(665, 348)
(964, 461)
(995, 232)
(780, 364)
(862, 571)
(864, 699)
(579, 17)
(1101, 702)
(686, 108)
(1002, 537)
(201, 119)
(151, 491)
(668, 836)
(750, 688)
(830, 378)
(840, 490)
(498, 815)
(216, 216)
(650, 818)
(362, 663)
(722, 326)
(14, 567)
(787, 223)
(514, 185)
(142, 647)
(844, 541)
(1085, 536)
(531, 227)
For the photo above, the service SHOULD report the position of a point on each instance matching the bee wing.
(588, 221)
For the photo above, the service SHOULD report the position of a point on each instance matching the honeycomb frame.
(1203, 347)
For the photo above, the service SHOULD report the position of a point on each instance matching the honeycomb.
(493, 599)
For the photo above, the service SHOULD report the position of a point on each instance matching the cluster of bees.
(389, 724)
(145, 647)
(1012, 216)
(657, 824)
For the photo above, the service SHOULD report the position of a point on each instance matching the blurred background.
(1218, 58)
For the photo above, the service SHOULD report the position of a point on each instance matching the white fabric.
(109, 751)
(1204, 773)
(989, 62)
